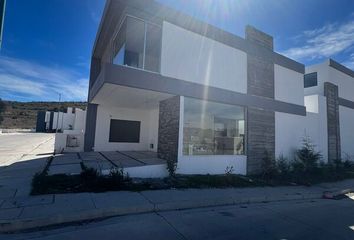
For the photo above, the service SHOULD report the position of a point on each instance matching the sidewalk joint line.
(108, 159)
(131, 157)
(170, 224)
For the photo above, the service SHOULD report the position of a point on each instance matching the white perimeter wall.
(80, 120)
(192, 57)
(291, 129)
(148, 128)
(288, 85)
(64, 122)
(212, 164)
(346, 118)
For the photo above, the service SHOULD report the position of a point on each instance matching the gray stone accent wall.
(169, 112)
(90, 130)
(259, 37)
(334, 148)
(260, 122)
(260, 138)
(260, 76)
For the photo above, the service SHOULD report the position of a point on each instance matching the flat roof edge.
(340, 67)
(181, 19)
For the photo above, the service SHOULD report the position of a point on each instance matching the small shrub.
(118, 178)
(282, 165)
(229, 170)
(89, 177)
(347, 164)
(307, 158)
(171, 167)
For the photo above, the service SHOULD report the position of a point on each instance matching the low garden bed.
(91, 181)
(306, 169)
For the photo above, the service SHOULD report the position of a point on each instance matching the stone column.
(90, 128)
(260, 82)
(333, 128)
(168, 129)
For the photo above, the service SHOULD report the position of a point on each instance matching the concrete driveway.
(21, 156)
(13, 146)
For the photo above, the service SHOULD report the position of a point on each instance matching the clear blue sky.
(47, 43)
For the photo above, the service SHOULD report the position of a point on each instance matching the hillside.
(24, 114)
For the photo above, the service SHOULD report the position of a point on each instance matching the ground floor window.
(124, 131)
(211, 128)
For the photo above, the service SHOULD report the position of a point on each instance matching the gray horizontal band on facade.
(156, 12)
(346, 103)
(135, 78)
(341, 68)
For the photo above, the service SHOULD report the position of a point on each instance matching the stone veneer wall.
(260, 123)
(90, 130)
(169, 112)
(333, 128)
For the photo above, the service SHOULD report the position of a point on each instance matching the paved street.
(320, 219)
(15, 146)
(21, 156)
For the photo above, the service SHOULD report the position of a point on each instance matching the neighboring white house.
(333, 83)
(69, 128)
(163, 81)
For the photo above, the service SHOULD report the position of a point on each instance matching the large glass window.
(153, 48)
(211, 128)
(138, 44)
(310, 80)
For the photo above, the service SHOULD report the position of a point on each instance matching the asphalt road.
(322, 219)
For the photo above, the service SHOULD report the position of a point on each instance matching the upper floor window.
(138, 44)
(310, 80)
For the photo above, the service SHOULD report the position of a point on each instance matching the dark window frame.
(150, 52)
(310, 80)
(124, 131)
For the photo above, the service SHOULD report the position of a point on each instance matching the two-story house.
(163, 81)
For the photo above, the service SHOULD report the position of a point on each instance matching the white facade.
(148, 128)
(291, 130)
(188, 61)
(327, 73)
(286, 79)
(191, 57)
(346, 118)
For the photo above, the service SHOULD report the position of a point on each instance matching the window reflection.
(138, 44)
(212, 128)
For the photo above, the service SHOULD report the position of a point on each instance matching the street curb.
(94, 214)
(337, 194)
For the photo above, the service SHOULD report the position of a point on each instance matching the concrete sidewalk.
(20, 213)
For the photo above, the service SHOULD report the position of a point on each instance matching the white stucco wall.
(192, 57)
(344, 82)
(80, 120)
(64, 122)
(148, 128)
(322, 70)
(288, 85)
(326, 73)
(312, 103)
(291, 129)
(346, 119)
(216, 164)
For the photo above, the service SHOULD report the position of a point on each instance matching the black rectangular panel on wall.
(124, 131)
